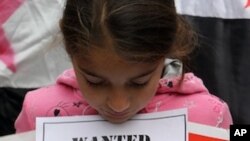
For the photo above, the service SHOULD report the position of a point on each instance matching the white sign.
(160, 126)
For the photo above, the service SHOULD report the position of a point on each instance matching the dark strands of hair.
(141, 30)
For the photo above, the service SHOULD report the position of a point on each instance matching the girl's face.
(116, 88)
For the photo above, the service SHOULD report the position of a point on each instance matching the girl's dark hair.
(138, 30)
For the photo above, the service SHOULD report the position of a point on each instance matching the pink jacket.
(65, 99)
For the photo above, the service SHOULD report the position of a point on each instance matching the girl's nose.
(118, 102)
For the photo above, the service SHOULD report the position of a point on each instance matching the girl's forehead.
(99, 54)
(107, 53)
(106, 57)
(111, 67)
(108, 64)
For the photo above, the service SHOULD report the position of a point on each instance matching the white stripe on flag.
(228, 9)
(33, 33)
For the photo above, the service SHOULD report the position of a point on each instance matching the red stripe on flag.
(6, 52)
(248, 4)
(7, 8)
(196, 137)
(7, 55)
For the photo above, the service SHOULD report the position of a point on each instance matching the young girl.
(118, 49)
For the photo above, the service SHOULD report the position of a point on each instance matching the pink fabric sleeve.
(227, 117)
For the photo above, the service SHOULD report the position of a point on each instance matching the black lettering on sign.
(114, 138)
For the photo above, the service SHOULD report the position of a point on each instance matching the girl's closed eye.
(138, 84)
(91, 78)
(94, 81)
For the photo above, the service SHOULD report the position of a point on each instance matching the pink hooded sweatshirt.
(65, 99)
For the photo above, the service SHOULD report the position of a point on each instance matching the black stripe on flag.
(223, 61)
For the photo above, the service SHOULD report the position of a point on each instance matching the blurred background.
(31, 52)
(222, 59)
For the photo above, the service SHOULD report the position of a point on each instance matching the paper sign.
(160, 126)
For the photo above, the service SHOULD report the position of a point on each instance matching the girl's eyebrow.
(144, 74)
(133, 78)
(89, 72)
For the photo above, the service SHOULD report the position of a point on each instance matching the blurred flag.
(223, 59)
(31, 49)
